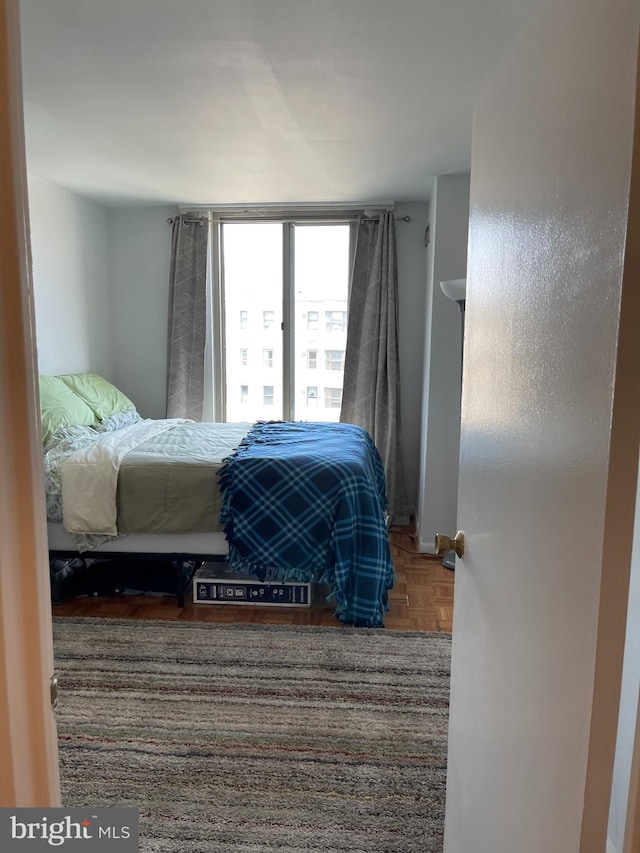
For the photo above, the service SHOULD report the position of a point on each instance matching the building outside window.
(244, 393)
(334, 359)
(244, 357)
(268, 318)
(312, 395)
(244, 319)
(313, 320)
(312, 359)
(267, 395)
(267, 357)
(333, 398)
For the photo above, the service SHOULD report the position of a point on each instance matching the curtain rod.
(301, 218)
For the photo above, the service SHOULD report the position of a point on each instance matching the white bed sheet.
(145, 543)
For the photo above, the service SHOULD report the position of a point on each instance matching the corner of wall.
(440, 422)
(140, 256)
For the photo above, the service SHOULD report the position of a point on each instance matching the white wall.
(140, 246)
(71, 280)
(440, 415)
(628, 699)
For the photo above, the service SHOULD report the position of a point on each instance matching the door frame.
(29, 774)
(622, 487)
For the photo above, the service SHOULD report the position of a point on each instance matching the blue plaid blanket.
(306, 501)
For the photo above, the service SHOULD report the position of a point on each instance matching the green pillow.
(103, 398)
(60, 407)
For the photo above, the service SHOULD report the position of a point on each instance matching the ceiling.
(256, 101)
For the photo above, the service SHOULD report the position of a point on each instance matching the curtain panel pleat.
(187, 317)
(371, 392)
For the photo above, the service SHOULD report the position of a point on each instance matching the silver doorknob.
(444, 544)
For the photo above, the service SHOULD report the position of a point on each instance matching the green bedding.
(168, 484)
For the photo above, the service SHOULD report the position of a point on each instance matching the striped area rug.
(257, 738)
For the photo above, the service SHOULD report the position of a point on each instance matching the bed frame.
(153, 563)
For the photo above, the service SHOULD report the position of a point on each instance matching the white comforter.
(90, 477)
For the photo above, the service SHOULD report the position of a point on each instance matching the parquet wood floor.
(421, 600)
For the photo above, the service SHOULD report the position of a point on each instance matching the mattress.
(168, 484)
(164, 483)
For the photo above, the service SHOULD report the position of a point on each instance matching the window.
(268, 318)
(333, 398)
(334, 359)
(336, 321)
(244, 357)
(244, 393)
(292, 275)
(312, 395)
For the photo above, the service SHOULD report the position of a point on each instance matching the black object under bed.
(76, 574)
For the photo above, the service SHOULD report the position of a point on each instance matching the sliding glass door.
(284, 297)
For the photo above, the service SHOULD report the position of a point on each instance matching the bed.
(281, 500)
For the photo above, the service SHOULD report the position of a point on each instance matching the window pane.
(333, 398)
(334, 359)
(321, 301)
(252, 266)
(252, 296)
(336, 321)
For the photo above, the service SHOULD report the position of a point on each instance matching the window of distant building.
(336, 321)
(268, 319)
(334, 359)
(333, 398)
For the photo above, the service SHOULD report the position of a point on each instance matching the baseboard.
(610, 847)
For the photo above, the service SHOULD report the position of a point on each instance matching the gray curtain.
(371, 395)
(187, 317)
